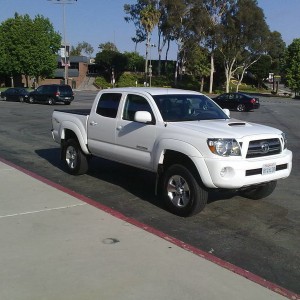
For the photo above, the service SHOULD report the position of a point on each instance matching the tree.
(112, 62)
(149, 19)
(82, 47)
(292, 65)
(207, 16)
(276, 50)
(135, 62)
(261, 69)
(29, 47)
(133, 12)
(108, 46)
(243, 36)
(197, 63)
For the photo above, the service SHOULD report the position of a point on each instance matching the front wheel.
(181, 192)
(74, 159)
(259, 192)
(31, 100)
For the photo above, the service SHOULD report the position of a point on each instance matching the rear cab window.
(108, 105)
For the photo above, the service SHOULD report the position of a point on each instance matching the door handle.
(119, 128)
(93, 123)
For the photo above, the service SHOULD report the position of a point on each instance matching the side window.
(133, 104)
(40, 89)
(231, 96)
(108, 105)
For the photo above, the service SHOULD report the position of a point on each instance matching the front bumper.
(237, 173)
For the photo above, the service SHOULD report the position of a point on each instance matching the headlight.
(284, 140)
(224, 147)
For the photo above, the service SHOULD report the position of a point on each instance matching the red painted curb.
(224, 264)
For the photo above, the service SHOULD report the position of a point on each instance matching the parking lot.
(260, 236)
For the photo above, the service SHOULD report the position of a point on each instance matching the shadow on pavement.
(135, 181)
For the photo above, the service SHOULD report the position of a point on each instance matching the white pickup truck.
(184, 137)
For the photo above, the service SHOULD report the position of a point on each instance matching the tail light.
(253, 100)
(57, 94)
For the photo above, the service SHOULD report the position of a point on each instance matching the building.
(78, 71)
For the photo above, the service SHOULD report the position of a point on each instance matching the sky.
(101, 21)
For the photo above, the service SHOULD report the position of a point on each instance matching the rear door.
(101, 127)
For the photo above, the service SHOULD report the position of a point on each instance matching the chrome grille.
(267, 147)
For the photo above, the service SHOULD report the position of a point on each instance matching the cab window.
(133, 104)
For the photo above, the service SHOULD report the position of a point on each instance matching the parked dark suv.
(51, 94)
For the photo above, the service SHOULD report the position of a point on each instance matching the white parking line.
(42, 210)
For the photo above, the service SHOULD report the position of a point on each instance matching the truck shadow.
(114, 180)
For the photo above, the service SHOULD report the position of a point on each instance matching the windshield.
(181, 107)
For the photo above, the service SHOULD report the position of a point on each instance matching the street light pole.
(150, 65)
(65, 53)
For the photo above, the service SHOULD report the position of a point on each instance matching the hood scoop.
(237, 124)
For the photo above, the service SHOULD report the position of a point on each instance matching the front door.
(134, 140)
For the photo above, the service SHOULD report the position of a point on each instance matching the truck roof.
(152, 90)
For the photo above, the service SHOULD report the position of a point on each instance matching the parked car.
(51, 94)
(237, 101)
(15, 94)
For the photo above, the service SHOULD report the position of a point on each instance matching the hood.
(230, 128)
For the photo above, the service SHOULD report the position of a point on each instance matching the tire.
(67, 103)
(74, 159)
(259, 192)
(31, 100)
(50, 101)
(181, 192)
(21, 99)
(241, 107)
(3, 98)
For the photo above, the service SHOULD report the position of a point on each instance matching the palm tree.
(149, 19)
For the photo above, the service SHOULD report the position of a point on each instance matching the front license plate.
(269, 169)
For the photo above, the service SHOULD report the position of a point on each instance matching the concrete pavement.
(56, 244)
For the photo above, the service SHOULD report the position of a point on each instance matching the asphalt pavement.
(56, 244)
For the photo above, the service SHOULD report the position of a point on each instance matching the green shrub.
(102, 83)
(128, 79)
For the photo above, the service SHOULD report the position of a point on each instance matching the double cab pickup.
(184, 137)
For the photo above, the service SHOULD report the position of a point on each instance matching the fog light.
(223, 172)
(227, 172)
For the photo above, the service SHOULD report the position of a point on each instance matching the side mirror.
(227, 111)
(143, 117)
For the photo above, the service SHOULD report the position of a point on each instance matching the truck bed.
(79, 111)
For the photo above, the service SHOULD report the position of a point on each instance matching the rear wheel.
(74, 159)
(31, 100)
(50, 101)
(3, 98)
(241, 107)
(259, 192)
(181, 192)
(21, 99)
